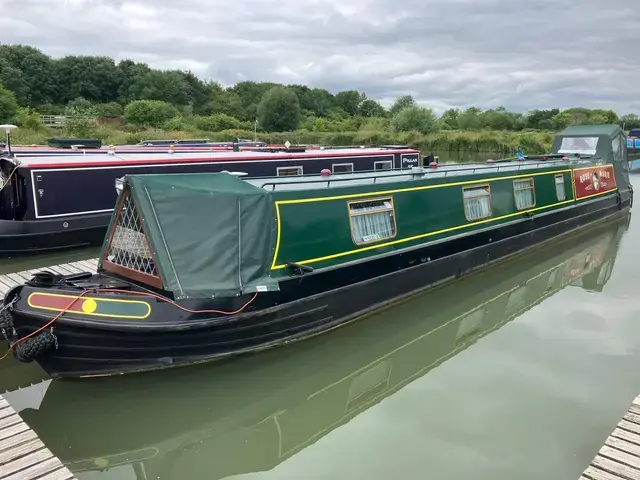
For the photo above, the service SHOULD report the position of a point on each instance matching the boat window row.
(335, 168)
(374, 219)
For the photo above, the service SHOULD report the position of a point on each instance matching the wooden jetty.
(10, 280)
(22, 455)
(619, 458)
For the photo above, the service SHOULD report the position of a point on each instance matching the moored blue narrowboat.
(633, 149)
(205, 266)
(49, 202)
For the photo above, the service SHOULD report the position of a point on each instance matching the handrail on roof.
(417, 173)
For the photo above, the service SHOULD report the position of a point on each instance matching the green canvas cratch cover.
(211, 234)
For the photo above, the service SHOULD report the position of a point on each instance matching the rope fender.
(6, 325)
(31, 348)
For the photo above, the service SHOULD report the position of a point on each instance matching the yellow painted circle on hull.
(89, 305)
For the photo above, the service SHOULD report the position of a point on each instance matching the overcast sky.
(522, 54)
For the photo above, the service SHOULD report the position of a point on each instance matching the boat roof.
(592, 130)
(315, 181)
(596, 140)
(89, 159)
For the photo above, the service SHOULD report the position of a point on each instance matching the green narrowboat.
(197, 267)
(273, 406)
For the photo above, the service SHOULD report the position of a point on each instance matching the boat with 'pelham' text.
(198, 267)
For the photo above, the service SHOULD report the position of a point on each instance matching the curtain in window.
(560, 191)
(477, 203)
(372, 226)
(524, 194)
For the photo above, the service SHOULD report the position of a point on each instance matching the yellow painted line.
(139, 317)
(275, 253)
(599, 193)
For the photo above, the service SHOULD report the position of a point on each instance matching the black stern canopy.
(204, 235)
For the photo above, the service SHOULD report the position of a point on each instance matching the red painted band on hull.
(247, 157)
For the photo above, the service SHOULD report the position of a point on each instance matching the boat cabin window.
(372, 220)
(616, 146)
(561, 193)
(342, 167)
(524, 193)
(282, 171)
(383, 165)
(581, 145)
(477, 202)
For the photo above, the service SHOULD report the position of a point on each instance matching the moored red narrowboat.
(205, 266)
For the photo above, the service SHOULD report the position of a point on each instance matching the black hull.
(24, 238)
(305, 306)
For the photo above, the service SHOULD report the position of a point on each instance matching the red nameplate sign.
(594, 180)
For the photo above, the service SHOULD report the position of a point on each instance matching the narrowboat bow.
(205, 266)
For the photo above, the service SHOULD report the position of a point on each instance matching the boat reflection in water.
(251, 414)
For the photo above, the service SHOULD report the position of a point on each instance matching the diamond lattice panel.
(129, 247)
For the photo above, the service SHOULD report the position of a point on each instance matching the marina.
(376, 361)
(22, 455)
(619, 457)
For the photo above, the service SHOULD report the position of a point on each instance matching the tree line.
(32, 83)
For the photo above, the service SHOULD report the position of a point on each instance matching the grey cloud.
(522, 54)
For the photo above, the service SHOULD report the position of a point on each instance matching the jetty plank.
(58, 270)
(22, 454)
(619, 457)
(69, 267)
(626, 435)
(87, 265)
(24, 275)
(15, 278)
(93, 262)
(10, 280)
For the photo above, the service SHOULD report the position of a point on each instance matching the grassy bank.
(462, 141)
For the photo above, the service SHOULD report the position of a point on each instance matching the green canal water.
(519, 371)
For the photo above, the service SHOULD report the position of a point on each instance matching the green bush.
(219, 122)
(153, 113)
